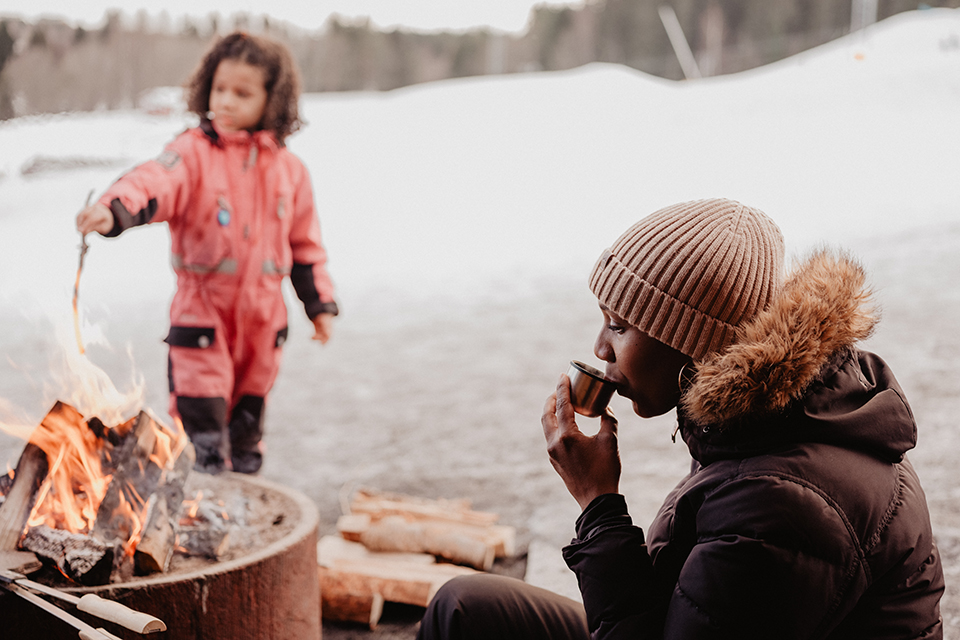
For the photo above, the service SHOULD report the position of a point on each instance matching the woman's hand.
(323, 327)
(589, 465)
(96, 217)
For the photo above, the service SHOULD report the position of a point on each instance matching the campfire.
(96, 500)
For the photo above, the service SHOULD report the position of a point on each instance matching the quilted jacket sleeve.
(309, 273)
(614, 572)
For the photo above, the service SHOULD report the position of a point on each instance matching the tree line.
(49, 66)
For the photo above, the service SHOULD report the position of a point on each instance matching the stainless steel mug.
(590, 392)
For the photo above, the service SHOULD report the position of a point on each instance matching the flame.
(79, 453)
(75, 484)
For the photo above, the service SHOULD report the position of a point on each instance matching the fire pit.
(271, 591)
(115, 511)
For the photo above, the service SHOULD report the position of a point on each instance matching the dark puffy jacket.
(801, 518)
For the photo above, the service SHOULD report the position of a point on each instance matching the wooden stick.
(121, 614)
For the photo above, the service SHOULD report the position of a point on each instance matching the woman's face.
(645, 370)
(238, 95)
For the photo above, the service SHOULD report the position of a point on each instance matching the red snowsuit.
(241, 216)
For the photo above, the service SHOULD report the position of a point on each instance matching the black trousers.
(487, 607)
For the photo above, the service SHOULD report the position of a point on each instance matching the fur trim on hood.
(823, 308)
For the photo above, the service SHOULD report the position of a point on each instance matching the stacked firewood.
(397, 548)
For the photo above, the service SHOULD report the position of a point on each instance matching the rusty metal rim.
(309, 521)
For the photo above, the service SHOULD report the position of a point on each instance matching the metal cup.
(590, 392)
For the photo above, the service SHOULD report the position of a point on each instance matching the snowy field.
(462, 219)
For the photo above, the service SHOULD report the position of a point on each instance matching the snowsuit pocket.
(192, 337)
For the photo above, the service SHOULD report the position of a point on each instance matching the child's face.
(238, 95)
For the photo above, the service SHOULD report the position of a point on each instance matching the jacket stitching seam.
(851, 570)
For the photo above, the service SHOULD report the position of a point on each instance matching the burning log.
(81, 476)
(136, 476)
(159, 539)
(156, 546)
(80, 557)
(15, 511)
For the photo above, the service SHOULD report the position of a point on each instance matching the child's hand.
(96, 217)
(323, 327)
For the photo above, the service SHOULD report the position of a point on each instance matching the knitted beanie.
(690, 274)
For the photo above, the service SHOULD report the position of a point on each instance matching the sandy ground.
(442, 398)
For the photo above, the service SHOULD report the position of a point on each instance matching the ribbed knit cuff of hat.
(690, 274)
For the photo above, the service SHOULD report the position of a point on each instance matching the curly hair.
(281, 114)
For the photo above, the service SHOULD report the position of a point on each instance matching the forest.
(50, 66)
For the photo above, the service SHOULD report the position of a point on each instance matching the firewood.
(135, 479)
(333, 548)
(352, 525)
(395, 533)
(401, 582)
(364, 608)
(15, 510)
(386, 504)
(504, 540)
(82, 558)
(158, 540)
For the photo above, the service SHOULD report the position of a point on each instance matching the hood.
(795, 364)
(822, 310)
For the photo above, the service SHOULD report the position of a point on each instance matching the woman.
(801, 517)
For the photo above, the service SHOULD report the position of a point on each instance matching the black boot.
(246, 430)
(204, 420)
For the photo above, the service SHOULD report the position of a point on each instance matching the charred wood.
(81, 558)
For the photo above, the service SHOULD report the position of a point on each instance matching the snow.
(478, 184)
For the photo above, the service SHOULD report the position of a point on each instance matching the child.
(241, 216)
